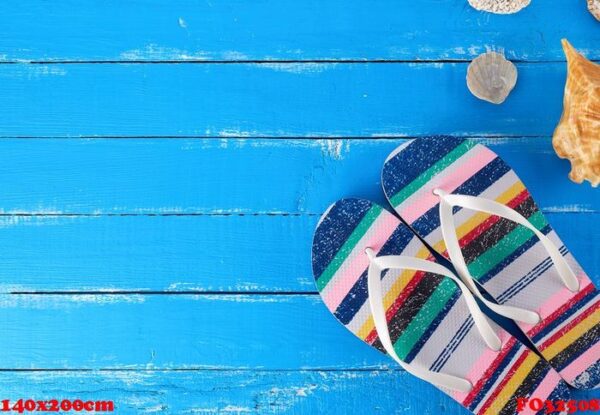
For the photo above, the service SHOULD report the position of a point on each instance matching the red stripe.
(391, 311)
(502, 384)
(489, 222)
(488, 373)
(548, 320)
(569, 326)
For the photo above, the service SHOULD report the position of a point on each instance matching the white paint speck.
(297, 68)
(155, 52)
(232, 55)
(236, 409)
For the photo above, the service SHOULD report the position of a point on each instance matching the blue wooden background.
(163, 165)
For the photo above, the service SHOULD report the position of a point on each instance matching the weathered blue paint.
(287, 29)
(224, 176)
(262, 253)
(232, 216)
(274, 99)
(239, 391)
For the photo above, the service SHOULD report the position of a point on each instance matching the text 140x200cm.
(55, 405)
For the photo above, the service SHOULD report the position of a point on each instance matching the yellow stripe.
(572, 335)
(478, 218)
(474, 221)
(510, 388)
(401, 282)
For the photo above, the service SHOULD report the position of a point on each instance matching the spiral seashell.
(491, 77)
(577, 136)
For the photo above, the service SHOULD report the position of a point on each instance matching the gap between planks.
(383, 369)
(268, 62)
(551, 210)
(308, 138)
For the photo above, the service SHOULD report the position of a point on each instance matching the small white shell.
(491, 77)
(594, 8)
(499, 6)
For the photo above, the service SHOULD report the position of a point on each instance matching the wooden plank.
(287, 29)
(177, 331)
(117, 331)
(162, 176)
(237, 391)
(242, 392)
(272, 99)
(190, 253)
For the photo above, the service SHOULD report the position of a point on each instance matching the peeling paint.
(51, 302)
(297, 68)
(574, 208)
(153, 52)
(244, 298)
(235, 133)
(46, 70)
(232, 55)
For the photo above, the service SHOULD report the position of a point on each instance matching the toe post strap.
(376, 267)
(449, 201)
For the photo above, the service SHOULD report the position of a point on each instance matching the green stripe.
(425, 317)
(342, 254)
(444, 292)
(505, 247)
(426, 176)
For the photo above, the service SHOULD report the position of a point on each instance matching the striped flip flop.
(381, 282)
(468, 204)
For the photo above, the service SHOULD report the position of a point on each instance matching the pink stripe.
(481, 365)
(581, 364)
(543, 390)
(462, 169)
(555, 302)
(340, 285)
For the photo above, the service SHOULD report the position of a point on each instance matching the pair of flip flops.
(380, 281)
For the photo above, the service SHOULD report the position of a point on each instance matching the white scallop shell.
(500, 6)
(594, 8)
(491, 77)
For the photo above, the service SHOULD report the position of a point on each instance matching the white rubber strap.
(376, 267)
(448, 201)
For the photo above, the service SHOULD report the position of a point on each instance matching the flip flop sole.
(506, 259)
(429, 322)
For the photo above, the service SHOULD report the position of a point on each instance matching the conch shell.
(594, 8)
(577, 136)
(491, 77)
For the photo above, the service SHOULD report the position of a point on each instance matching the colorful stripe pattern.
(428, 319)
(507, 259)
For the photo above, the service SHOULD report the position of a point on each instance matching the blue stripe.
(335, 229)
(474, 186)
(589, 378)
(565, 316)
(414, 159)
(358, 294)
(512, 257)
(525, 281)
(528, 386)
(561, 392)
(432, 327)
(574, 350)
(492, 379)
(452, 345)
(530, 277)
(353, 301)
